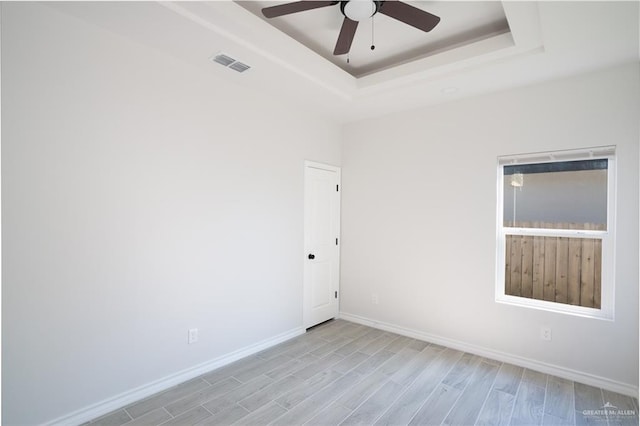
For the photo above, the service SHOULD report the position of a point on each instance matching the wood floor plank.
(376, 332)
(293, 348)
(398, 361)
(307, 388)
(181, 405)
(508, 378)
(378, 344)
(437, 347)
(437, 406)
(398, 344)
(497, 409)
(466, 410)
(295, 364)
(490, 361)
(229, 370)
(528, 407)
(247, 374)
(145, 406)
(333, 414)
(461, 372)
(357, 344)
(372, 408)
(349, 328)
(308, 408)
(191, 417)
(625, 412)
(263, 415)
(350, 362)
(583, 419)
(374, 362)
(408, 373)
(305, 349)
(227, 416)
(318, 366)
(354, 331)
(418, 345)
(408, 404)
(241, 392)
(549, 420)
(115, 418)
(559, 400)
(302, 345)
(354, 396)
(535, 377)
(330, 331)
(588, 398)
(279, 349)
(328, 347)
(270, 393)
(152, 418)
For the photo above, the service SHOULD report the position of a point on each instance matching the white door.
(321, 239)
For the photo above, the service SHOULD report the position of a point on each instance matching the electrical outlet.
(193, 335)
(374, 298)
(545, 333)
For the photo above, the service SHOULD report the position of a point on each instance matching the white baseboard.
(118, 401)
(565, 373)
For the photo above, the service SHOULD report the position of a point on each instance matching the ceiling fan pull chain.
(347, 57)
(373, 46)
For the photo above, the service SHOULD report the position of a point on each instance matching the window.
(555, 222)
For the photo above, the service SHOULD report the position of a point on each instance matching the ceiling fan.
(359, 10)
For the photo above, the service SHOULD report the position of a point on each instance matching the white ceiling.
(547, 40)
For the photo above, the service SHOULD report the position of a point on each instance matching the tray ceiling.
(396, 43)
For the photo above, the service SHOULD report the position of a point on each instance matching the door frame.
(321, 166)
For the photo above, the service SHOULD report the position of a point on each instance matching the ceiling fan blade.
(410, 15)
(297, 6)
(345, 38)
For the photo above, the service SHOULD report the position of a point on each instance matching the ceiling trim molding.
(284, 52)
(525, 37)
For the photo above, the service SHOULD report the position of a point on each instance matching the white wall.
(418, 218)
(141, 197)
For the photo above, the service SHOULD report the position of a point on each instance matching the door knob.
(312, 256)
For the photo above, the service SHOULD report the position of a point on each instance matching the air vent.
(223, 59)
(239, 66)
(229, 62)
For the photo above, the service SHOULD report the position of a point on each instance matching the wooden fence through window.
(556, 269)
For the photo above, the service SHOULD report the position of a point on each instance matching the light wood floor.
(344, 373)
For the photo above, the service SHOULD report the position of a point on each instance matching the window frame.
(607, 285)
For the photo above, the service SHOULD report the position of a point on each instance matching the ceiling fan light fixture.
(359, 10)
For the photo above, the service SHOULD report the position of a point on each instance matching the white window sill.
(561, 308)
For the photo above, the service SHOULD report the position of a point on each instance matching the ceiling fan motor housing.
(359, 10)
